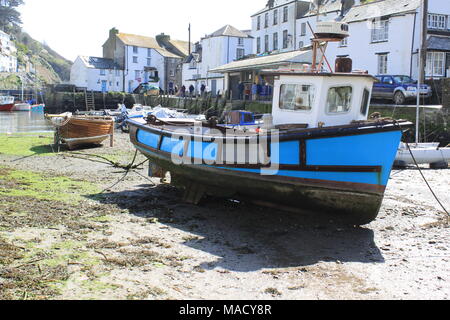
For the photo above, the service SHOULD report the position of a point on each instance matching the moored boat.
(22, 107)
(6, 103)
(319, 151)
(76, 131)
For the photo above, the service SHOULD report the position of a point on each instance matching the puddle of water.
(23, 122)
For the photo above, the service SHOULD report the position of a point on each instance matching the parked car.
(399, 89)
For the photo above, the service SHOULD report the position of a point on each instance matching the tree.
(9, 14)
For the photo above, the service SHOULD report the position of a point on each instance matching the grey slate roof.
(229, 31)
(330, 6)
(439, 43)
(381, 8)
(99, 63)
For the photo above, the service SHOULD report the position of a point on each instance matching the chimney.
(163, 38)
(113, 32)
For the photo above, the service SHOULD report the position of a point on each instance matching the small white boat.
(424, 153)
(22, 107)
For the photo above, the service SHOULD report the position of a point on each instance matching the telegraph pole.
(422, 61)
(189, 39)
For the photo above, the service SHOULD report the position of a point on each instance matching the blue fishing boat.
(318, 151)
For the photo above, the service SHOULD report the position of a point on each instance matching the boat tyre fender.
(151, 119)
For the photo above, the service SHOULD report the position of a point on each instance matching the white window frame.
(327, 106)
(382, 65)
(285, 14)
(380, 31)
(437, 21)
(275, 41)
(435, 64)
(240, 53)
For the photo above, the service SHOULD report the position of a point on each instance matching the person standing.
(183, 91)
(241, 88)
(191, 90)
(255, 91)
(202, 89)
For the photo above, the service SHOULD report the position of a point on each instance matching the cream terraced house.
(145, 59)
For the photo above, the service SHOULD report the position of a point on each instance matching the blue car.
(399, 89)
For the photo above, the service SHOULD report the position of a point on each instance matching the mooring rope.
(421, 173)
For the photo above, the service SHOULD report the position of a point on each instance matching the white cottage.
(385, 37)
(8, 59)
(96, 74)
(219, 48)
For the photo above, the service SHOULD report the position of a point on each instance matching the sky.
(80, 27)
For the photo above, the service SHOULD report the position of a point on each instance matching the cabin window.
(339, 99)
(365, 102)
(297, 97)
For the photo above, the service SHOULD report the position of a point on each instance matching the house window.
(275, 41)
(266, 43)
(258, 45)
(437, 21)
(135, 59)
(266, 20)
(344, 42)
(275, 17)
(149, 53)
(303, 29)
(135, 49)
(102, 72)
(258, 23)
(435, 64)
(382, 64)
(137, 74)
(149, 62)
(339, 99)
(297, 97)
(117, 73)
(285, 14)
(172, 73)
(240, 41)
(380, 30)
(240, 53)
(285, 39)
(301, 44)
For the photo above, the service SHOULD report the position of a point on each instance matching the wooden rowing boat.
(76, 131)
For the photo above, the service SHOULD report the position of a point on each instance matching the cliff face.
(38, 63)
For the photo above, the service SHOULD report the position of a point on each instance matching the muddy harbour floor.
(62, 238)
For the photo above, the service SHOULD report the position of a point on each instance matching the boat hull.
(81, 131)
(7, 107)
(320, 170)
(22, 107)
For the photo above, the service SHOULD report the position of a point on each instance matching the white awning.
(269, 61)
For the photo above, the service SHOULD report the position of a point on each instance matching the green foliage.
(9, 14)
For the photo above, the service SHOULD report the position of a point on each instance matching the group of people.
(190, 92)
(254, 91)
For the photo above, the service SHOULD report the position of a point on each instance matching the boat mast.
(422, 61)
